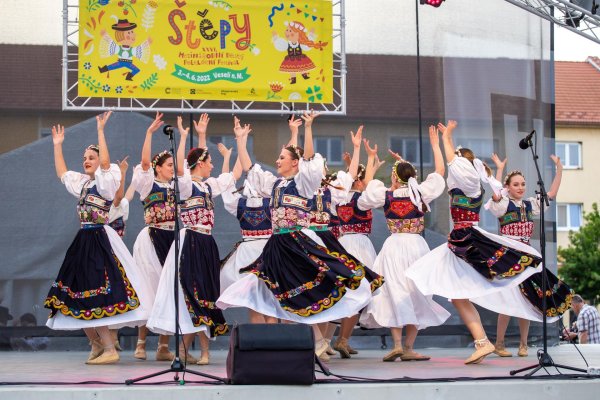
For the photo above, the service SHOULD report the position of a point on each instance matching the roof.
(578, 92)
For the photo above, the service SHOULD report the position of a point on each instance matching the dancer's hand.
(58, 134)
(202, 124)
(356, 138)
(123, 164)
(434, 137)
(371, 151)
(102, 119)
(556, 161)
(396, 156)
(157, 123)
(500, 164)
(309, 118)
(182, 131)
(294, 124)
(224, 150)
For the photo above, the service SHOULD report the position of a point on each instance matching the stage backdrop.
(206, 49)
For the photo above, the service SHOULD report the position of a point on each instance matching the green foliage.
(151, 81)
(581, 260)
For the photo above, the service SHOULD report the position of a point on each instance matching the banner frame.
(71, 101)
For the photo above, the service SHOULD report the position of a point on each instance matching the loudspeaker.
(271, 354)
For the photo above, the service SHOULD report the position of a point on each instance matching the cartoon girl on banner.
(295, 43)
(123, 48)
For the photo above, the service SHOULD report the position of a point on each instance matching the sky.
(40, 22)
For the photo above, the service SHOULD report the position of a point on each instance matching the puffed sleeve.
(230, 200)
(309, 176)
(262, 181)
(108, 181)
(221, 183)
(142, 180)
(344, 181)
(535, 205)
(497, 208)
(122, 210)
(74, 182)
(185, 182)
(432, 187)
(280, 43)
(373, 196)
(463, 175)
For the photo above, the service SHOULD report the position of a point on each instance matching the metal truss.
(71, 101)
(564, 13)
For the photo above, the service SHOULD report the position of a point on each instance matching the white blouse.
(463, 175)
(106, 181)
(143, 181)
(374, 195)
(308, 179)
(121, 211)
(499, 208)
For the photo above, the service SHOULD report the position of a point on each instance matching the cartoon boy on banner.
(122, 46)
(296, 42)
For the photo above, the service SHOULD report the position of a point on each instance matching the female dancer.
(254, 216)
(302, 280)
(474, 263)
(515, 215)
(99, 283)
(355, 226)
(399, 303)
(152, 179)
(119, 210)
(199, 258)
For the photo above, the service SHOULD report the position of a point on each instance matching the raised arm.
(130, 192)
(147, 148)
(309, 118)
(241, 137)
(557, 178)
(370, 167)
(447, 139)
(58, 137)
(226, 153)
(102, 146)
(438, 159)
(356, 140)
(123, 165)
(200, 128)
(500, 164)
(294, 124)
(183, 134)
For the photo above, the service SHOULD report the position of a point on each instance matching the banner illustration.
(207, 50)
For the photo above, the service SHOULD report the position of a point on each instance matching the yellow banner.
(240, 50)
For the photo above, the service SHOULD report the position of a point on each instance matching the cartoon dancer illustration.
(296, 41)
(123, 48)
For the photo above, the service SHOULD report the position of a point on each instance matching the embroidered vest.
(320, 212)
(402, 215)
(463, 209)
(119, 226)
(294, 51)
(254, 221)
(518, 220)
(92, 208)
(198, 208)
(352, 219)
(289, 210)
(159, 205)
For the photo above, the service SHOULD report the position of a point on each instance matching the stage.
(51, 375)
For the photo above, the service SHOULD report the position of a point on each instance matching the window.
(483, 148)
(569, 216)
(570, 154)
(228, 141)
(408, 148)
(331, 148)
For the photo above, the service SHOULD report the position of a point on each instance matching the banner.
(239, 50)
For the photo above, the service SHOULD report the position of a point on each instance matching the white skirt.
(399, 302)
(360, 246)
(145, 256)
(251, 292)
(162, 317)
(442, 273)
(132, 318)
(245, 254)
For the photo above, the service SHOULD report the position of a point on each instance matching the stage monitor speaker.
(271, 354)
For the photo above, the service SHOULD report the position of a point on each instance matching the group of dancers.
(305, 254)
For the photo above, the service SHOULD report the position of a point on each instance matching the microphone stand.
(544, 359)
(176, 366)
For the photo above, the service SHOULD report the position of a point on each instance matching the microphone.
(168, 130)
(523, 144)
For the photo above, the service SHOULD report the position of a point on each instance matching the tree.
(581, 260)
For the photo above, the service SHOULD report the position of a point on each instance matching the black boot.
(103, 69)
(129, 76)
(292, 80)
(305, 75)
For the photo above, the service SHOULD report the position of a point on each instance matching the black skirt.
(558, 293)
(199, 276)
(91, 282)
(332, 243)
(492, 260)
(162, 240)
(304, 277)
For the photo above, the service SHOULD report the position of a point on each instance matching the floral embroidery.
(409, 225)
